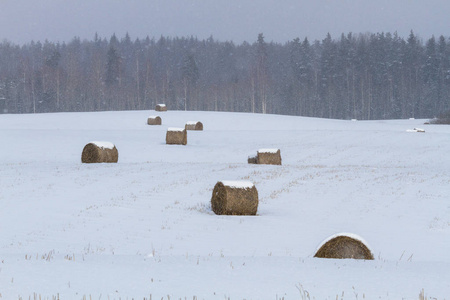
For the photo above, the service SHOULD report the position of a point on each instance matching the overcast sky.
(238, 20)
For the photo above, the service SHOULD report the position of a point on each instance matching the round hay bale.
(176, 136)
(344, 246)
(234, 198)
(194, 125)
(154, 120)
(161, 107)
(99, 152)
(269, 157)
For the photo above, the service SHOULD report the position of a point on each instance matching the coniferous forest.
(354, 76)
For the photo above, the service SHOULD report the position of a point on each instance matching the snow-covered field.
(144, 226)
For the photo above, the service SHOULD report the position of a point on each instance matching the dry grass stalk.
(268, 157)
(176, 136)
(344, 247)
(154, 120)
(99, 152)
(234, 199)
(194, 125)
(161, 107)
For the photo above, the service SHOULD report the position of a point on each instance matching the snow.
(191, 123)
(347, 234)
(415, 130)
(268, 150)
(161, 105)
(153, 117)
(103, 145)
(238, 184)
(175, 129)
(144, 226)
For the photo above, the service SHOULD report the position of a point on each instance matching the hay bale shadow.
(252, 160)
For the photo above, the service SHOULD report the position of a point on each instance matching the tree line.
(354, 76)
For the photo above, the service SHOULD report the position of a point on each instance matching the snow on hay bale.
(154, 120)
(99, 152)
(161, 107)
(344, 245)
(268, 157)
(234, 198)
(176, 136)
(194, 125)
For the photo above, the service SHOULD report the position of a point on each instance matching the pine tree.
(190, 75)
(261, 73)
(113, 65)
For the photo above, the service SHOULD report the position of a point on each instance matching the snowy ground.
(144, 226)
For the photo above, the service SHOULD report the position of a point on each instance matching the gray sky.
(280, 20)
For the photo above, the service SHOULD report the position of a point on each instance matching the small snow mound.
(415, 130)
(161, 105)
(191, 123)
(238, 184)
(103, 145)
(152, 117)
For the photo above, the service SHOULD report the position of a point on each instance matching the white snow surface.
(272, 150)
(162, 105)
(144, 226)
(238, 184)
(103, 145)
(191, 123)
(416, 130)
(175, 129)
(153, 117)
